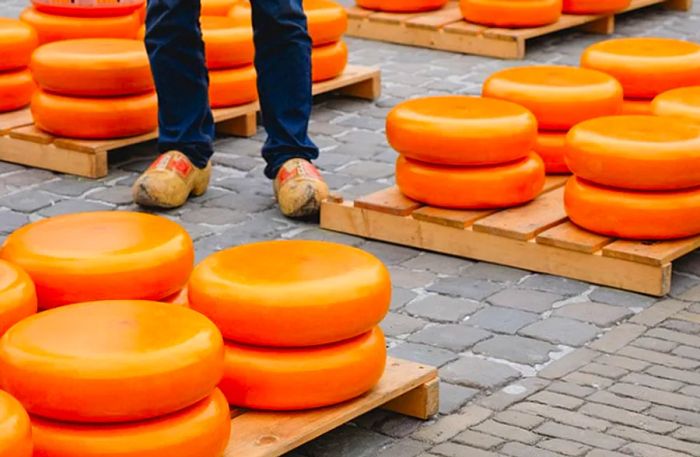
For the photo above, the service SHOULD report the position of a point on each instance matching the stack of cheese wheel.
(17, 42)
(301, 331)
(594, 6)
(645, 67)
(94, 88)
(327, 22)
(637, 177)
(17, 295)
(511, 13)
(15, 428)
(402, 6)
(56, 20)
(683, 103)
(118, 379)
(102, 256)
(465, 152)
(559, 97)
(217, 7)
(229, 54)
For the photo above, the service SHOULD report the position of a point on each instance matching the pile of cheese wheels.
(327, 23)
(17, 42)
(301, 329)
(559, 97)
(94, 88)
(465, 152)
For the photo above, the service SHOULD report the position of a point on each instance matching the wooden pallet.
(446, 29)
(537, 237)
(21, 142)
(407, 388)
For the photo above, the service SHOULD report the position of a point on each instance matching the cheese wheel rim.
(551, 147)
(51, 27)
(232, 87)
(511, 13)
(17, 295)
(226, 43)
(632, 107)
(17, 42)
(15, 428)
(683, 103)
(96, 9)
(16, 89)
(217, 7)
(328, 61)
(402, 6)
(593, 6)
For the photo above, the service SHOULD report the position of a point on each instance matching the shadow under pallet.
(21, 142)
(446, 30)
(537, 237)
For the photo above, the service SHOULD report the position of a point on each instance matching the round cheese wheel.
(328, 61)
(17, 295)
(226, 44)
(683, 103)
(551, 147)
(402, 6)
(217, 7)
(511, 13)
(646, 66)
(551, 91)
(15, 428)
(16, 89)
(636, 152)
(178, 298)
(102, 256)
(303, 378)
(594, 6)
(636, 107)
(460, 130)
(50, 27)
(89, 8)
(95, 118)
(322, 292)
(496, 186)
(99, 67)
(17, 42)
(233, 87)
(200, 430)
(111, 361)
(645, 215)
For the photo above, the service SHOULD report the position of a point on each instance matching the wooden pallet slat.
(14, 119)
(390, 201)
(652, 253)
(569, 236)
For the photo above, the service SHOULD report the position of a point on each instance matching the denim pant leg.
(176, 52)
(283, 63)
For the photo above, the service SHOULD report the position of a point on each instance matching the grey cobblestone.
(561, 331)
(527, 300)
(526, 351)
(479, 373)
(450, 336)
(442, 308)
(502, 320)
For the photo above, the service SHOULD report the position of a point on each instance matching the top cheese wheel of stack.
(402, 6)
(559, 97)
(227, 43)
(683, 102)
(99, 67)
(91, 8)
(217, 7)
(111, 361)
(102, 255)
(511, 13)
(17, 42)
(17, 295)
(50, 27)
(646, 67)
(594, 6)
(15, 429)
(461, 130)
(636, 152)
(291, 293)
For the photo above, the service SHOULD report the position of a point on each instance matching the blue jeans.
(283, 63)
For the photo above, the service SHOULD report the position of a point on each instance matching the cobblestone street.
(531, 365)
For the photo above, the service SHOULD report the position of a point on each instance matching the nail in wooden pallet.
(537, 237)
(446, 29)
(21, 142)
(406, 387)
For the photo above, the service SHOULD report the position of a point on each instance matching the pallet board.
(21, 142)
(446, 29)
(408, 388)
(537, 237)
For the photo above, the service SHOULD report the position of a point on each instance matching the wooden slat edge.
(423, 402)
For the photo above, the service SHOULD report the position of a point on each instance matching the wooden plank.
(450, 217)
(50, 157)
(355, 12)
(651, 253)
(569, 236)
(271, 434)
(552, 182)
(448, 15)
(390, 201)
(32, 134)
(353, 74)
(243, 126)
(394, 18)
(14, 119)
(423, 402)
(525, 222)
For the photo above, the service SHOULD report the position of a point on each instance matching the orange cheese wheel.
(178, 298)
(17, 295)
(102, 256)
(496, 186)
(460, 130)
(227, 44)
(551, 91)
(111, 361)
(303, 378)
(551, 147)
(328, 61)
(594, 6)
(200, 430)
(17, 42)
(217, 7)
(511, 13)
(93, 8)
(402, 6)
(645, 215)
(16, 89)
(15, 429)
(636, 107)
(233, 87)
(646, 67)
(51, 27)
(636, 152)
(321, 293)
(95, 118)
(683, 103)
(99, 67)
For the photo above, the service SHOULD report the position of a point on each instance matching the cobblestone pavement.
(532, 365)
